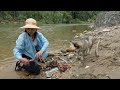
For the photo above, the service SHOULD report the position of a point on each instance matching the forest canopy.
(49, 17)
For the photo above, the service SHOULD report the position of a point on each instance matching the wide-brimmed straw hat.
(31, 23)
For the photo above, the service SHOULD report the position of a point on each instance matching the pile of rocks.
(107, 19)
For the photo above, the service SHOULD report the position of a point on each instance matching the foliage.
(49, 17)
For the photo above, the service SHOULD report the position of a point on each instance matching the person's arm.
(44, 47)
(45, 42)
(19, 47)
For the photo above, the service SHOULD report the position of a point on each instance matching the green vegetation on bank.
(49, 17)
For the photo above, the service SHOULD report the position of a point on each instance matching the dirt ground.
(105, 66)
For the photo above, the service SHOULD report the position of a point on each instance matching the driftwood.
(96, 50)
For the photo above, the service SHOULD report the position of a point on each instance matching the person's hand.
(39, 54)
(24, 61)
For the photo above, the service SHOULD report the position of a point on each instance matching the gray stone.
(107, 19)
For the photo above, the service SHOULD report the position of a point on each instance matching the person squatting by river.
(31, 44)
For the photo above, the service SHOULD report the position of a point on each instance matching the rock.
(70, 56)
(70, 50)
(103, 76)
(63, 51)
(87, 66)
(107, 19)
(106, 29)
(51, 54)
(51, 72)
(76, 36)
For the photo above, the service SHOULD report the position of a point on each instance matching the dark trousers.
(25, 56)
(32, 67)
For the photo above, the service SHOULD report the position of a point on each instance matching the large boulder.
(107, 19)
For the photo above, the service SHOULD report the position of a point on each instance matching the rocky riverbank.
(105, 65)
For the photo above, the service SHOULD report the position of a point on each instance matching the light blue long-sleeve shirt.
(25, 45)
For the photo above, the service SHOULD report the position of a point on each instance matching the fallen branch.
(63, 60)
(96, 50)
